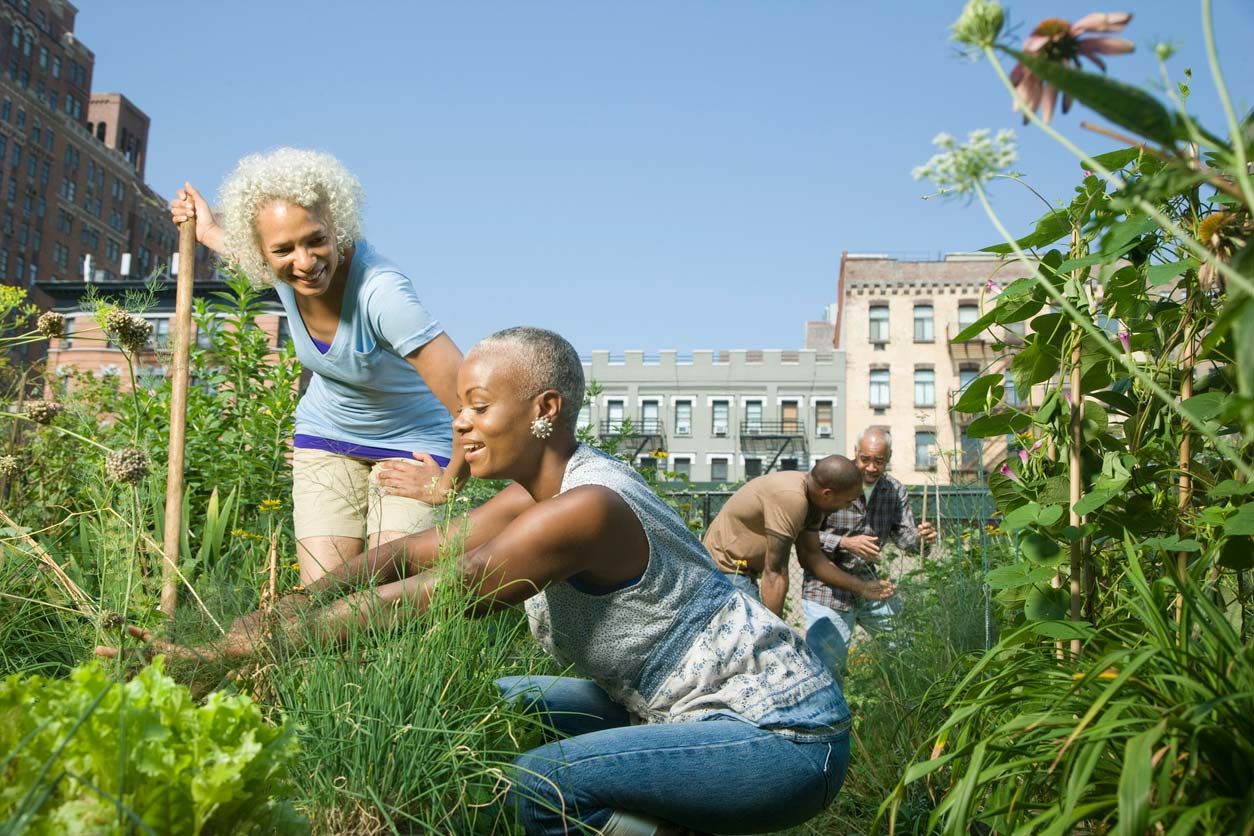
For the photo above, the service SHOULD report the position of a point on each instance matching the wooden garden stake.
(1076, 483)
(178, 415)
(923, 517)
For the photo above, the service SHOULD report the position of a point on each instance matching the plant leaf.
(1127, 106)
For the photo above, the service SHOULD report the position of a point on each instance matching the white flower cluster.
(980, 23)
(959, 168)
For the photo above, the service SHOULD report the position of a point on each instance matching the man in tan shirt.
(753, 535)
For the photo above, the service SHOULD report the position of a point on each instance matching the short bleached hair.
(309, 179)
(543, 360)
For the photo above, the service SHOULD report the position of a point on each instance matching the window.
(584, 421)
(923, 330)
(972, 450)
(789, 463)
(681, 466)
(718, 470)
(614, 411)
(788, 417)
(924, 387)
(683, 417)
(879, 388)
(753, 416)
(160, 339)
(924, 450)
(967, 373)
(720, 411)
(753, 468)
(968, 313)
(56, 67)
(878, 325)
(649, 417)
(205, 335)
(20, 122)
(823, 419)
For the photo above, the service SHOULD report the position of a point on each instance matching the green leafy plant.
(89, 754)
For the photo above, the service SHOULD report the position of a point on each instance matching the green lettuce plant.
(89, 754)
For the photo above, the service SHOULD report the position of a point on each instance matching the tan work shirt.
(774, 504)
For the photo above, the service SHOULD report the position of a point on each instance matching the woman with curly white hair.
(384, 371)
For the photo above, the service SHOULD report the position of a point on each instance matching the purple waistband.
(356, 451)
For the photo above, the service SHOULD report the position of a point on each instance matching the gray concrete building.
(720, 416)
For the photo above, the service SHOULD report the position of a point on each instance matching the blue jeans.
(722, 775)
(829, 631)
(747, 585)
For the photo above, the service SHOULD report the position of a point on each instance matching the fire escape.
(641, 437)
(774, 442)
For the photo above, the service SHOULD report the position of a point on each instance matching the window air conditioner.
(824, 431)
(720, 429)
(683, 428)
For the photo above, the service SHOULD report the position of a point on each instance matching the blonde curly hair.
(306, 178)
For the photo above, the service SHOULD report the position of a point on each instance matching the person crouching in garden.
(384, 371)
(700, 708)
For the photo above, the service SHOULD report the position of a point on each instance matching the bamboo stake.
(923, 518)
(1186, 454)
(178, 415)
(1076, 483)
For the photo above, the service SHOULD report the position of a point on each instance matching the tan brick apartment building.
(894, 321)
(74, 203)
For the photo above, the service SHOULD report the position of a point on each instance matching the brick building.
(895, 321)
(73, 202)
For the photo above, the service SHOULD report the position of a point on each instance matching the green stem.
(1233, 277)
(1102, 340)
(1241, 170)
(61, 430)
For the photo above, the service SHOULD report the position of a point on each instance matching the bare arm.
(810, 555)
(589, 531)
(775, 574)
(407, 556)
(437, 363)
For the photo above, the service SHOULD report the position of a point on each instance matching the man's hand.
(927, 532)
(877, 590)
(865, 546)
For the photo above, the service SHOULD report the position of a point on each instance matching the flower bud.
(980, 23)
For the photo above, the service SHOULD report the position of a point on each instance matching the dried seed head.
(112, 621)
(8, 465)
(115, 320)
(50, 324)
(43, 412)
(133, 336)
(127, 465)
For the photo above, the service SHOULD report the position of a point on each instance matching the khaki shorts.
(339, 496)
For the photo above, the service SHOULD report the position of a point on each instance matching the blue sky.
(634, 175)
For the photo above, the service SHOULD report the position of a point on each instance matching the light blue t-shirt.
(363, 389)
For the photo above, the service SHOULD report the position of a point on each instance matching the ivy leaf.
(1049, 228)
(1205, 406)
(1093, 500)
(1127, 106)
(1115, 160)
(1230, 487)
(999, 423)
(1242, 523)
(1163, 273)
(976, 328)
(975, 397)
(1035, 363)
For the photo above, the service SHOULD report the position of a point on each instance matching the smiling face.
(494, 422)
(872, 457)
(299, 245)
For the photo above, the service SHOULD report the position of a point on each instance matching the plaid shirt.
(885, 514)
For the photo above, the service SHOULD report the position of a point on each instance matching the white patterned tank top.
(681, 643)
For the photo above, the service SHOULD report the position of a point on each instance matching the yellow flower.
(268, 505)
(659, 454)
(296, 567)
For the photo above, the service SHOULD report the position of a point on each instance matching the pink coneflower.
(1059, 40)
